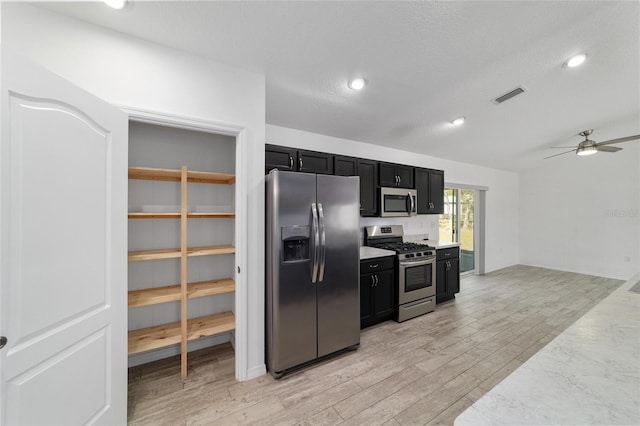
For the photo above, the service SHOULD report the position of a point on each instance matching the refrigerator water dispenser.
(295, 243)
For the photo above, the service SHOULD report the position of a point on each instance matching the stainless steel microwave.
(398, 202)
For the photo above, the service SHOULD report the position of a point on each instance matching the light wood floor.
(423, 371)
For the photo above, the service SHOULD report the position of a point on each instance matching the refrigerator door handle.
(316, 242)
(323, 246)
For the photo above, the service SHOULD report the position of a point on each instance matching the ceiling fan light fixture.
(575, 61)
(357, 83)
(458, 121)
(586, 150)
(116, 4)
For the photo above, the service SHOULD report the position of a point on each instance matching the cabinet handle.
(300, 162)
(377, 281)
(373, 266)
(373, 281)
(399, 180)
(291, 162)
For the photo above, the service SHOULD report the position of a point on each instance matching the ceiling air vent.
(508, 95)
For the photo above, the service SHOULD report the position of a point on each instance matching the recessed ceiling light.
(575, 61)
(357, 83)
(116, 4)
(458, 121)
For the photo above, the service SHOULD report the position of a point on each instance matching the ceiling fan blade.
(562, 153)
(619, 140)
(608, 148)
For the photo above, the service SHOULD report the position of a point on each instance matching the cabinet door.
(366, 294)
(345, 166)
(441, 281)
(383, 295)
(387, 173)
(315, 162)
(367, 170)
(279, 157)
(453, 277)
(423, 184)
(436, 191)
(405, 176)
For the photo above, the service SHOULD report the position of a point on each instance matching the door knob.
(3, 341)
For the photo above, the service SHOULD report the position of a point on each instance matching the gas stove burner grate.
(402, 247)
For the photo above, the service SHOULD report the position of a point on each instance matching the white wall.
(582, 214)
(131, 72)
(501, 247)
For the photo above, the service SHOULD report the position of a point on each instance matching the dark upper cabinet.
(279, 157)
(430, 191)
(297, 160)
(345, 166)
(315, 162)
(395, 175)
(368, 172)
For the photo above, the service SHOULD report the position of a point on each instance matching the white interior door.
(63, 277)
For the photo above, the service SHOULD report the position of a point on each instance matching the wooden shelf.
(194, 215)
(154, 296)
(174, 253)
(149, 173)
(160, 336)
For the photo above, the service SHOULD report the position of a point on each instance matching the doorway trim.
(240, 341)
(479, 200)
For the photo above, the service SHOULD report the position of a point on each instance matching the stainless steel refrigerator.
(312, 285)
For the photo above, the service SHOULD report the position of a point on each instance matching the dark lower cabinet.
(430, 191)
(447, 273)
(377, 291)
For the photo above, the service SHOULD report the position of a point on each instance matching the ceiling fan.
(588, 147)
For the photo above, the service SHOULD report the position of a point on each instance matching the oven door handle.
(316, 242)
(418, 262)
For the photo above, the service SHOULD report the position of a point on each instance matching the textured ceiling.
(426, 63)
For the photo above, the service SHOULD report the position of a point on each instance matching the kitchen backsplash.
(423, 225)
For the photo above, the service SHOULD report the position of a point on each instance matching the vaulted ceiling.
(425, 63)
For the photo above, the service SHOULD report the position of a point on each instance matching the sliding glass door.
(457, 224)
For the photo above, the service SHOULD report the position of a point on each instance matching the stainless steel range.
(415, 269)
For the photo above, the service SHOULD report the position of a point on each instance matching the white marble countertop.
(438, 244)
(372, 252)
(589, 374)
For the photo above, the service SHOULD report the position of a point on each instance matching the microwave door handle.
(323, 243)
(316, 242)
(413, 204)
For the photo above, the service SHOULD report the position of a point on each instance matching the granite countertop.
(589, 374)
(372, 252)
(438, 244)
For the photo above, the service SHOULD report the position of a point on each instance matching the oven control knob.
(418, 254)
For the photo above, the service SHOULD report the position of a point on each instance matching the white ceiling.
(426, 63)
